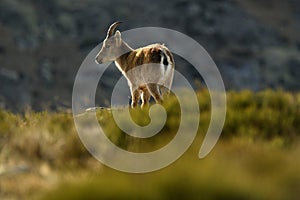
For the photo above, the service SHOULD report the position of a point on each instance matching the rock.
(14, 170)
(246, 76)
(45, 72)
(43, 44)
(281, 68)
(9, 74)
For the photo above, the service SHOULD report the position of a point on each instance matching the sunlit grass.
(257, 156)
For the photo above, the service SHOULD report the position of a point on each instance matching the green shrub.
(255, 158)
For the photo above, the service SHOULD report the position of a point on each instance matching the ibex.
(149, 70)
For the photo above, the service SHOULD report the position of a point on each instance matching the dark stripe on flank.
(165, 61)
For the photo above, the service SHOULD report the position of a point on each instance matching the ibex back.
(149, 70)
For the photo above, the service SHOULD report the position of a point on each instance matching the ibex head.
(111, 45)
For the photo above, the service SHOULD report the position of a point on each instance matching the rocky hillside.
(256, 44)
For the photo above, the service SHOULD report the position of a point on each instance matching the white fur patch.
(166, 69)
(120, 68)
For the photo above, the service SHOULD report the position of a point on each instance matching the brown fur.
(146, 55)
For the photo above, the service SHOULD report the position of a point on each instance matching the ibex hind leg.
(166, 87)
(135, 97)
(154, 90)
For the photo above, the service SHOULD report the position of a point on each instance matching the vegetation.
(257, 156)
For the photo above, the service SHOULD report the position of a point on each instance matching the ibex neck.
(125, 47)
(125, 51)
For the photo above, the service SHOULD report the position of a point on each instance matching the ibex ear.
(118, 38)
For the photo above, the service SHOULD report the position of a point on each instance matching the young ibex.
(149, 70)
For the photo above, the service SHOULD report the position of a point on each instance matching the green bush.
(265, 115)
(255, 158)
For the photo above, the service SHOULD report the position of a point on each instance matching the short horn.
(112, 28)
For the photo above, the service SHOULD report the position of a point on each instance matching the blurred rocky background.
(255, 44)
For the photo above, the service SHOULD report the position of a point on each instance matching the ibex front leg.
(145, 96)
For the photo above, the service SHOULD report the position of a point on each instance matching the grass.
(257, 156)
